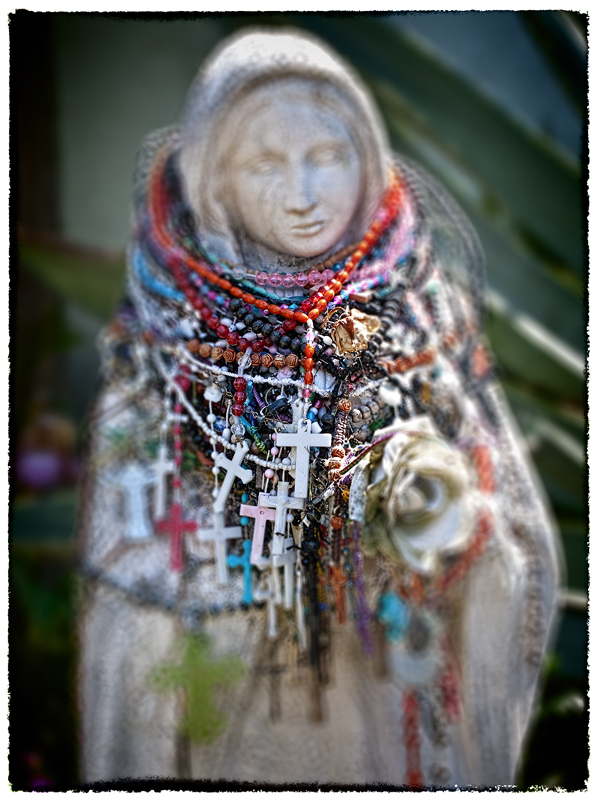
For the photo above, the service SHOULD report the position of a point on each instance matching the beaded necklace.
(318, 275)
(246, 351)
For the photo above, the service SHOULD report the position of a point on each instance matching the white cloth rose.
(426, 489)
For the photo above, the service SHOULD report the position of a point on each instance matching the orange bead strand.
(321, 298)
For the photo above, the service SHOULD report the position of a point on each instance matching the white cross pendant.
(281, 502)
(303, 440)
(286, 559)
(162, 468)
(133, 479)
(233, 470)
(218, 535)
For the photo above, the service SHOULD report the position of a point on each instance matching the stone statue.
(312, 548)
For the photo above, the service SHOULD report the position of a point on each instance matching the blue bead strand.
(152, 283)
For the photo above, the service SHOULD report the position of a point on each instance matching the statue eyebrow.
(269, 154)
(331, 144)
(266, 155)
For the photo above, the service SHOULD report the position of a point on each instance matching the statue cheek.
(271, 203)
(252, 191)
(344, 195)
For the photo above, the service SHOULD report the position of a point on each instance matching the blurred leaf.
(564, 46)
(542, 289)
(95, 284)
(549, 429)
(568, 703)
(538, 185)
(529, 288)
(563, 479)
(527, 404)
(574, 538)
(559, 457)
(536, 363)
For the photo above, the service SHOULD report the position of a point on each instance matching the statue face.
(295, 177)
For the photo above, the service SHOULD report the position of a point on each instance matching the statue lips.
(309, 228)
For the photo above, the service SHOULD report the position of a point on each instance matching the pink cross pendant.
(261, 515)
(176, 526)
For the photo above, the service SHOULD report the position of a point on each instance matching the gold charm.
(352, 332)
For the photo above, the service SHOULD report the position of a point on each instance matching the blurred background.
(493, 104)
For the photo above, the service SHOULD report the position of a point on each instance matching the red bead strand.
(158, 203)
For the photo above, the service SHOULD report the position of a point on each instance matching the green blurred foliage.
(42, 664)
(197, 673)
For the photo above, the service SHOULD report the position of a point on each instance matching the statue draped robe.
(497, 619)
(501, 614)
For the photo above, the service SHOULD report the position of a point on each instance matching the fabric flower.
(421, 498)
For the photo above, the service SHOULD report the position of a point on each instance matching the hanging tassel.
(412, 740)
(364, 614)
(449, 684)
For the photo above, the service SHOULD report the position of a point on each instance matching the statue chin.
(312, 246)
(290, 248)
(286, 252)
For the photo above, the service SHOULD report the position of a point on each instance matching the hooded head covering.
(252, 63)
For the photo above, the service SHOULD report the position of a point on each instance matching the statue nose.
(300, 198)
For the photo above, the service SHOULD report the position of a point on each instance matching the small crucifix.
(261, 515)
(175, 526)
(218, 535)
(298, 408)
(300, 612)
(267, 595)
(302, 441)
(245, 563)
(133, 480)
(281, 502)
(338, 581)
(233, 470)
(176, 416)
(162, 468)
(286, 559)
